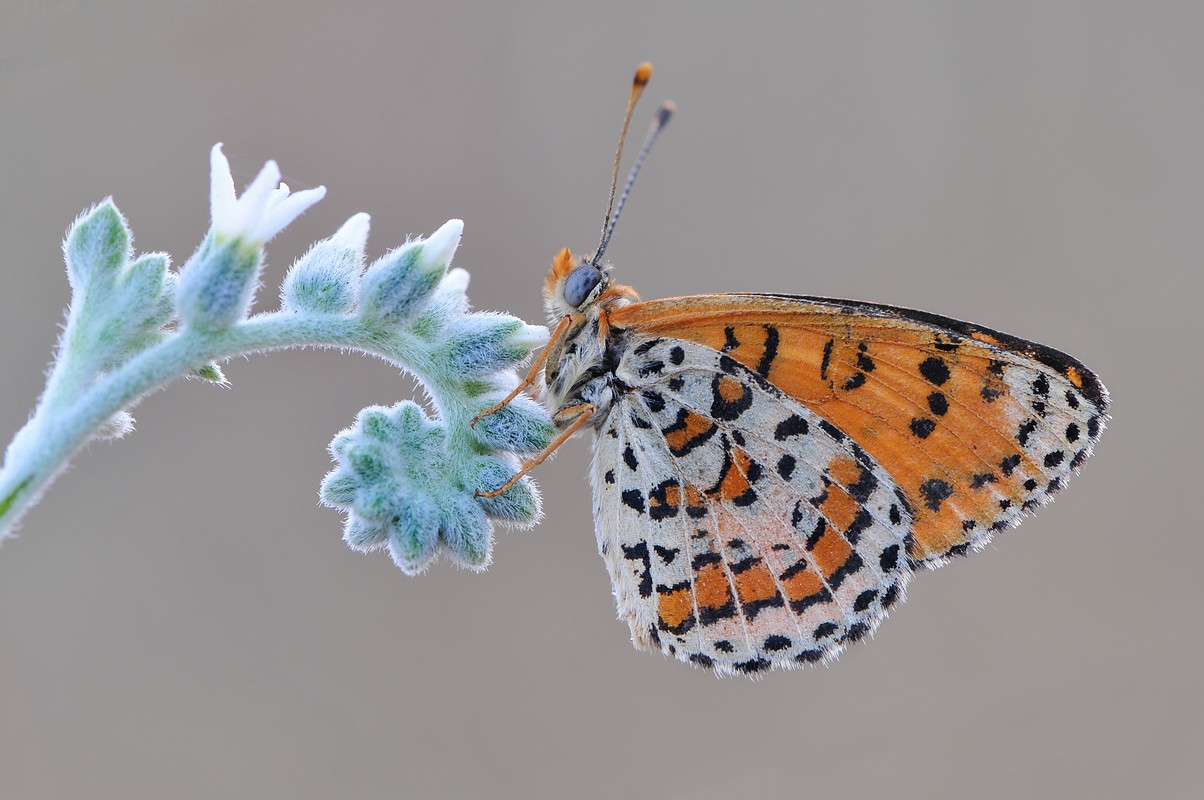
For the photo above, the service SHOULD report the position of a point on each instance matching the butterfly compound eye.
(580, 282)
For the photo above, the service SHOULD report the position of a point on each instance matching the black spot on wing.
(860, 523)
(935, 491)
(850, 566)
(654, 400)
(864, 362)
(650, 368)
(643, 347)
(776, 642)
(823, 367)
(832, 431)
(861, 489)
(922, 427)
(639, 552)
(865, 599)
(888, 559)
(981, 480)
(934, 370)
(794, 425)
(634, 499)
(667, 554)
(629, 458)
(856, 633)
(770, 351)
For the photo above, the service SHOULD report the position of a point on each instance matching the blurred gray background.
(179, 618)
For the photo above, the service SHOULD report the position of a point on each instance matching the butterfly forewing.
(973, 426)
(741, 530)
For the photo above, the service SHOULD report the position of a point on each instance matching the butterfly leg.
(578, 416)
(532, 373)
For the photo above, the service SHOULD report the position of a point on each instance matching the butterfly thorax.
(581, 365)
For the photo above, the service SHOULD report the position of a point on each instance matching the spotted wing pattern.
(742, 531)
(974, 426)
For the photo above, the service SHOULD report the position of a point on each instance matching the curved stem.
(62, 424)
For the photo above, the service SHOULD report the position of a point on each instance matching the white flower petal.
(278, 216)
(255, 198)
(265, 207)
(221, 189)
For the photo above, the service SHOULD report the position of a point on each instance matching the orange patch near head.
(710, 587)
(562, 265)
(755, 583)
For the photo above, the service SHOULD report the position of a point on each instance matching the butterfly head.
(576, 284)
(573, 285)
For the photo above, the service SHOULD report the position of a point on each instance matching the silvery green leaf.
(97, 246)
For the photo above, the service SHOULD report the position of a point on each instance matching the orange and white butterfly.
(769, 470)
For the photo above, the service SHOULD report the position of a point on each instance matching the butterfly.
(770, 470)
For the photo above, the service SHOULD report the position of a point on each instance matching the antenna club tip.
(667, 109)
(643, 73)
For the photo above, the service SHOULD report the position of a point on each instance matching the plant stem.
(62, 424)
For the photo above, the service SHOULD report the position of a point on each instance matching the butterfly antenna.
(662, 118)
(643, 73)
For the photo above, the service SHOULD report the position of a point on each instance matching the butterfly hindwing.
(974, 426)
(741, 530)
